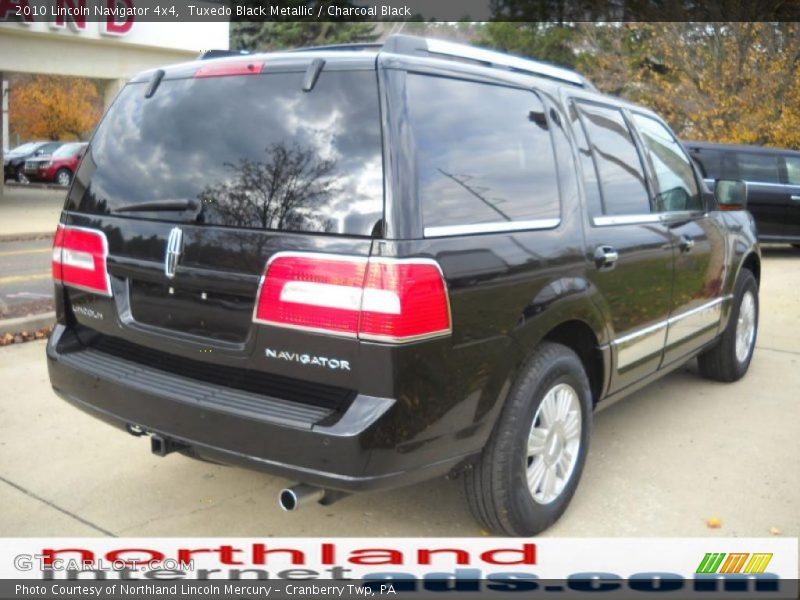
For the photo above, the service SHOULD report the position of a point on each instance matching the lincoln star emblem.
(173, 253)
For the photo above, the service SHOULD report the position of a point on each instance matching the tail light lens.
(80, 259)
(382, 299)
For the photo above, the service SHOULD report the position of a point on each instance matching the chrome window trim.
(606, 220)
(497, 227)
(682, 214)
(660, 217)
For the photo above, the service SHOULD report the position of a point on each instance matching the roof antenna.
(151, 89)
(312, 74)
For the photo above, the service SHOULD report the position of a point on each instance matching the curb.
(27, 323)
(35, 185)
(26, 237)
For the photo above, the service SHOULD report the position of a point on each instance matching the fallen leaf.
(775, 531)
(713, 523)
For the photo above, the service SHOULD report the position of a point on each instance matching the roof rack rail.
(343, 47)
(211, 54)
(409, 44)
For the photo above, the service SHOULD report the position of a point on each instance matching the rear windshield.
(251, 151)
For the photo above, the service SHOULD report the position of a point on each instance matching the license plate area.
(194, 311)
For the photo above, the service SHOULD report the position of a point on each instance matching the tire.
(730, 358)
(496, 485)
(65, 175)
(20, 176)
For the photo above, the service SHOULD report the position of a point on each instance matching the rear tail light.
(80, 259)
(382, 299)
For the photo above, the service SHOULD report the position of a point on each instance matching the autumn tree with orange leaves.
(54, 108)
(734, 82)
(723, 82)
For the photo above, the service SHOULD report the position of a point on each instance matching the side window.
(710, 162)
(484, 153)
(591, 184)
(762, 168)
(619, 167)
(793, 169)
(677, 186)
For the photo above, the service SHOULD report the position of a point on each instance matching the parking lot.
(661, 463)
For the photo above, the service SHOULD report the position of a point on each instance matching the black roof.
(740, 148)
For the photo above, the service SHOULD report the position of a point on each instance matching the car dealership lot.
(662, 461)
(30, 209)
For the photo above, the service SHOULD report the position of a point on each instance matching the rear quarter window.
(758, 168)
(484, 153)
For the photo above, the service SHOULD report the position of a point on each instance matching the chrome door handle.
(795, 198)
(686, 244)
(605, 257)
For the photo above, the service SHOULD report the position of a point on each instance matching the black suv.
(773, 181)
(365, 267)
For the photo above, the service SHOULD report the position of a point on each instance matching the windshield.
(67, 150)
(250, 151)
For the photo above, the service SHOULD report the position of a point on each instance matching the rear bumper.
(296, 441)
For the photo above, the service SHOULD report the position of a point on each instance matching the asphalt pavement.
(28, 218)
(661, 462)
(25, 277)
(29, 210)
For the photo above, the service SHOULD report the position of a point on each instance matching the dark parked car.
(392, 263)
(14, 161)
(59, 167)
(773, 181)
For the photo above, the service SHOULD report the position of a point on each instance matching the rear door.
(767, 195)
(199, 180)
(631, 250)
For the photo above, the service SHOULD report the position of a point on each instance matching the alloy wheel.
(745, 326)
(554, 443)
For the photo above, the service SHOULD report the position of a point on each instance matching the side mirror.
(731, 194)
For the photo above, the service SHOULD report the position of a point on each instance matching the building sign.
(128, 21)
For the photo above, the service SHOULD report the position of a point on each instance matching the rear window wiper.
(159, 206)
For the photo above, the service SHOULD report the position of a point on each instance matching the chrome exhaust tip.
(299, 495)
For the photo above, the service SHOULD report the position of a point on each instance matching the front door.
(697, 239)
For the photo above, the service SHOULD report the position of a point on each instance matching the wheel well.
(752, 264)
(580, 338)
